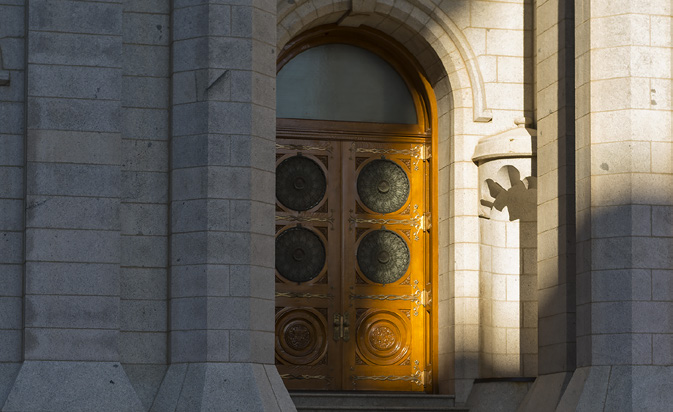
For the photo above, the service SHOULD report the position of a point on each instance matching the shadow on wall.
(518, 196)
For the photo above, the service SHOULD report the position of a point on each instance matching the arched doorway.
(356, 253)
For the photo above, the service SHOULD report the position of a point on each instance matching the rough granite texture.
(137, 161)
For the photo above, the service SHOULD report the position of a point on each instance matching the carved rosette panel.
(300, 254)
(383, 186)
(300, 183)
(383, 337)
(383, 256)
(301, 337)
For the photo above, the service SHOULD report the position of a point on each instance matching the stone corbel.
(503, 159)
(4, 74)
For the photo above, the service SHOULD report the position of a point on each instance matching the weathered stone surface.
(72, 386)
(249, 386)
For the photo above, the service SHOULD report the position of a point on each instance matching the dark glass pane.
(343, 82)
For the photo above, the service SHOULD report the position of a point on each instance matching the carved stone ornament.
(383, 256)
(300, 183)
(300, 254)
(383, 186)
(503, 159)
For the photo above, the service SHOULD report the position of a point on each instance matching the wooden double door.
(352, 265)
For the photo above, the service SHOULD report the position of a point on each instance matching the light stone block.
(494, 15)
(620, 157)
(506, 43)
(69, 179)
(622, 30)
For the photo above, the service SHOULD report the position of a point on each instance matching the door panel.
(306, 354)
(352, 265)
(383, 267)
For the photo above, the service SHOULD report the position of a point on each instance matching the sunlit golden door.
(351, 266)
(354, 244)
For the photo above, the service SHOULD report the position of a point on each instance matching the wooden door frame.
(425, 130)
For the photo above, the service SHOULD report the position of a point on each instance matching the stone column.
(555, 63)
(72, 229)
(222, 207)
(624, 207)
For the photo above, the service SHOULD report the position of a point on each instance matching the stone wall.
(12, 172)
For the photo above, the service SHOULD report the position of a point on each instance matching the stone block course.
(71, 344)
(144, 187)
(74, 17)
(11, 247)
(72, 212)
(72, 179)
(73, 114)
(75, 82)
(151, 124)
(200, 20)
(150, 29)
(86, 312)
(143, 219)
(143, 283)
(74, 49)
(145, 92)
(145, 60)
(11, 118)
(144, 251)
(56, 146)
(53, 278)
(83, 246)
(143, 315)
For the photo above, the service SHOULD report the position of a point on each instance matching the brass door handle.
(340, 325)
(345, 324)
(337, 326)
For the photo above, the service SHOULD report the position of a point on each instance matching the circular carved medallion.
(383, 256)
(298, 336)
(300, 183)
(383, 186)
(301, 337)
(383, 337)
(300, 254)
